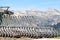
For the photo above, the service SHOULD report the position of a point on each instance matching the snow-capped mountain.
(49, 17)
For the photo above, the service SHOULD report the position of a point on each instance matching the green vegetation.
(58, 29)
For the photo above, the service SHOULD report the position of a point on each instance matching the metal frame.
(5, 7)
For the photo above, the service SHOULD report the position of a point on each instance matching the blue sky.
(31, 4)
